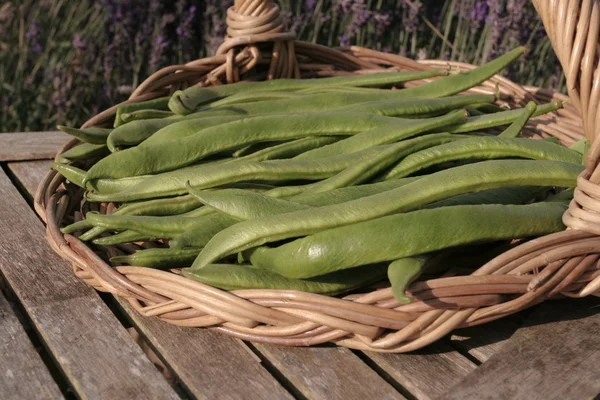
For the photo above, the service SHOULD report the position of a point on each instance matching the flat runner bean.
(234, 277)
(438, 186)
(406, 235)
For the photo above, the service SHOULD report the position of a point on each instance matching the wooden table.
(59, 338)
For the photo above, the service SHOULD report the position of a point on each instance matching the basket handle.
(573, 28)
(250, 22)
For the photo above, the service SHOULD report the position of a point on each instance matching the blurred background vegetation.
(64, 60)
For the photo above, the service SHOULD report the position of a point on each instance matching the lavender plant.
(61, 62)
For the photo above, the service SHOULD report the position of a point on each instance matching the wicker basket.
(256, 48)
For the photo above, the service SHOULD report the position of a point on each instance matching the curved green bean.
(438, 186)
(93, 135)
(517, 126)
(186, 101)
(127, 236)
(167, 156)
(405, 235)
(159, 258)
(233, 277)
(161, 103)
(481, 122)
(84, 152)
(403, 272)
(144, 114)
(482, 148)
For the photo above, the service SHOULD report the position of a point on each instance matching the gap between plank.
(19, 186)
(384, 375)
(36, 340)
(283, 381)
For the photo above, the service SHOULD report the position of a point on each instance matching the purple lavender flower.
(382, 21)
(159, 45)
(33, 34)
(344, 41)
(412, 22)
(309, 5)
(344, 5)
(477, 15)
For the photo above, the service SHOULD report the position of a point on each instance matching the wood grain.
(24, 375)
(207, 363)
(328, 373)
(427, 373)
(555, 355)
(30, 173)
(91, 347)
(31, 145)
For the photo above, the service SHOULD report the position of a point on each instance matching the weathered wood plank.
(208, 364)
(91, 347)
(24, 375)
(483, 341)
(328, 373)
(30, 173)
(226, 368)
(427, 373)
(31, 145)
(555, 355)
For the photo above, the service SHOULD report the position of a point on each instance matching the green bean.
(420, 232)
(482, 148)
(421, 107)
(290, 149)
(389, 155)
(438, 186)
(159, 258)
(340, 89)
(84, 151)
(158, 207)
(181, 128)
(93, 135)
(244, 205)
(454, 84)
(202, 231)
(76, 226)
(161, 103)
(581, 146)
(552, 139)
(335, 102)
(517, 126)
(127, 236)
(186, 101)
(343, 194)
(76, 176)
(211, 175)
(503, 195)
(134, 133)
(482, 122)
(403, 272)
(174, 154)
(384, 135)
(251, 97)
(140, 115)
(71, 173)
(233, 277)
(157, 227)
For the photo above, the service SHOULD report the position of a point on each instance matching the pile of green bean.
(324, 185)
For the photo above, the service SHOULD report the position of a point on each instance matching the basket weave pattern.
(257, 48)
